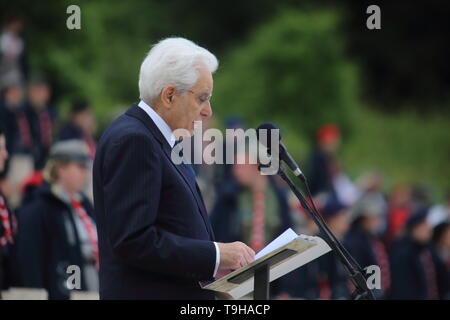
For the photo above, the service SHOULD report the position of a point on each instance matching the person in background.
(58, 228)
(441, 245)
(81, 125)
(42, 117)
(14, 120)
(8, 229)
(399, 211)
(19, 139)
(326, 174)
(251, 208)
(323, 163)
(13, 64)
(420, 197)
(324, 278)
(370, 186)
(441, 242)
(417, 271)
(363, 241)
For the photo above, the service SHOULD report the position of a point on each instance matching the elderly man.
(155, 238)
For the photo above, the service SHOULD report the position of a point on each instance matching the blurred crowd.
(45, 178)
(46, 221)
(402, 232)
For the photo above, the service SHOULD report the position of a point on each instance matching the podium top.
(281, 261)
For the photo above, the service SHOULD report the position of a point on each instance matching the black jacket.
(45, 248)
(408, 272)
(359, 244)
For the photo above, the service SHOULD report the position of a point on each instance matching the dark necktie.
(187, 166)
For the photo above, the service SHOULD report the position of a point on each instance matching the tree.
(292, 71)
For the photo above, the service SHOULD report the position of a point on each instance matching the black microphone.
(283, 153)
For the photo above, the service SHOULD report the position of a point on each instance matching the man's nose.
(207, 111)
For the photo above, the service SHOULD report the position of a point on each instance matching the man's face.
(193, 105)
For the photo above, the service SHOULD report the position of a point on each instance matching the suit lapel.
(137, 112)
(193, 187)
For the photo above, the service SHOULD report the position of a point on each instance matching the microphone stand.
(362, 292)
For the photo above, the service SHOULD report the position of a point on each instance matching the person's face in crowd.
(86, 121)
(401, 196)
(183, 108)
(13, 96)
(39, 95)
(3, 152)
(339, 223)
(422, 232)
(331, 145)
(72, 176)
(371, 223)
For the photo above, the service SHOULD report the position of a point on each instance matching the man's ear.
(167, 95)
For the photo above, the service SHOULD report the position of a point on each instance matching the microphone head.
(267, 142)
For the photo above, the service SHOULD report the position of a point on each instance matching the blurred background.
(365, 113)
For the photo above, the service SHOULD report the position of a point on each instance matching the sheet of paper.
(280, 241)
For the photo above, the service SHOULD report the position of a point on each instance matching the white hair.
(173, 61)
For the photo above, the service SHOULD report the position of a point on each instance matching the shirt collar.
(160, 123)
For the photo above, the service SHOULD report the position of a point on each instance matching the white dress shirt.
(168, 135)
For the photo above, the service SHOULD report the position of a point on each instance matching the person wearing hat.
(57, 225)
(417, 271)
(363, 240)
(324, 278)
(323, 163)
(325, 171)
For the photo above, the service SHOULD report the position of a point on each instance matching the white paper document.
(280, 241)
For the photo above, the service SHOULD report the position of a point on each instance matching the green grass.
(404, 147)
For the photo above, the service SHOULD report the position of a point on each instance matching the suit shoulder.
(123, 128)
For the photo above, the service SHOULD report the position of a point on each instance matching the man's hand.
(235, 255)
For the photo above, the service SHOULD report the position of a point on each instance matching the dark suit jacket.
(155, 239)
